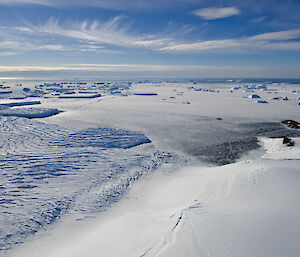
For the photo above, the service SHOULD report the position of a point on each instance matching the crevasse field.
(141, 168)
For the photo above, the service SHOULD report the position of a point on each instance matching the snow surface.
(249, 208)
(84, 198)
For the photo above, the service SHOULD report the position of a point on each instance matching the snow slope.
(249, 208)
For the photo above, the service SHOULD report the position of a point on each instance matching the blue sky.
(149, 38)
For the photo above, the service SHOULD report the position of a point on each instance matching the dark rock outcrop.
(291, 124)
(286, 140)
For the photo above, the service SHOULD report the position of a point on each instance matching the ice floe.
(28, 112)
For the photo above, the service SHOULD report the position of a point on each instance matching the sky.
(149, 39)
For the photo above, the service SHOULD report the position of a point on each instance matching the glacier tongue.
(48, 171)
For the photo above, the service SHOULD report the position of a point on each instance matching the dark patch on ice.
(226, 144)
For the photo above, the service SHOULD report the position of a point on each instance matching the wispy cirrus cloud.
(203, 46)
(279, 35)
(113, 32)
(80, 37)
(20, 46)
(7, 53)
(100, 37)
(281, 40)
(14, 2)
(115, 35)
(213, 13)
(23, 39)
(105, 4)
(259, 19)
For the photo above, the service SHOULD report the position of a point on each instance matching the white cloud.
(112, 32)
(13, 2)
(9, 44)
(259, 19)
(213, 13)
(6, 53)
(99, 67)
(22, 46)
(293, 45)
(204, 46)
(280, 40)
(85, 36)
(81, 36)
(114, 35)
(280, 35)
(108, 33)
(106, 4)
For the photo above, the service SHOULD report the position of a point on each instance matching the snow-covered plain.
(88, 181)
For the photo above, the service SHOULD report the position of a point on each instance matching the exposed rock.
(286, 141)
(291, 124)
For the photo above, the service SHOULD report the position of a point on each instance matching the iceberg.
(80, 96)
(20, 103)
(29, 112)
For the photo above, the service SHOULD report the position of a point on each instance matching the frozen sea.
(74, 149)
